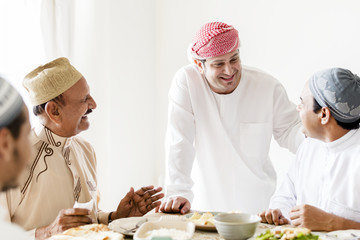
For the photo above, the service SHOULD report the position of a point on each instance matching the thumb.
(185, 208)
(129, 195)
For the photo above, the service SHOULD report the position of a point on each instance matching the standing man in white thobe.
(223, 115)
(321, 188)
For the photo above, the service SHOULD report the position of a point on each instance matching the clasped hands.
(301, 216)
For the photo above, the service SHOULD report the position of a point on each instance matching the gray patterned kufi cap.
(339, 90)
(11, 103)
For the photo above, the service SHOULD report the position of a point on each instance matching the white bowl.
(183, 225)
(236, 226)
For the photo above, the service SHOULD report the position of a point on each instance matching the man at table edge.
(321, 188)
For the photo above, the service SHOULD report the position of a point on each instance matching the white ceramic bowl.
(165, 223)
(236, 226)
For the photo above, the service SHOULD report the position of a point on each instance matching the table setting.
(130, 226)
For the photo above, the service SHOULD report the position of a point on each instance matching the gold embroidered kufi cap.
(50, 80)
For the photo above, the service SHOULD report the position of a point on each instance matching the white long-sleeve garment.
(229, 136)
(9, 230)
(325, 175)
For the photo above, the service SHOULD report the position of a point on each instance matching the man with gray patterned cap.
(14, 149)
(321, 189)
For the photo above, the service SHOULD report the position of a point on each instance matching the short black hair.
(39, 109)
(15, 126)
(347, 126)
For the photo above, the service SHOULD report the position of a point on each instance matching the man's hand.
(138, 203)
(175, 204)
(67, 218)
(273, 216)
(311, 217)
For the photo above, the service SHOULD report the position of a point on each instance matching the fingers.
(185, 208)
(152, 206)
(272, 216)
(175, 207)
(162, 206)
(176, 204)
(75, 211)
(295, 213)
(276, 214)
(154, 198)
(296, 222)
(143, 190)
(283, 220)
(71, 225)
(148, 193)
(129, 195)
(168, 205)
(296, 208)
(157, 209)
(68, 219)
(262, 216)
(268, 216)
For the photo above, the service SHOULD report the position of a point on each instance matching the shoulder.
(354, 142)
(258, 76)
(309, 146)
(186, 74)
(187, 70)
(83, 144)
(85, 150)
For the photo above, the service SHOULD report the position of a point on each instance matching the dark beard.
(9, 186)
(13, 183)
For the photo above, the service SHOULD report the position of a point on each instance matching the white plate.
(122, 225)
(167, 223)
(341, 235)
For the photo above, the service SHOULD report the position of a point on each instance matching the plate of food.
(288, 233)
(90, 231)
(128, 226)
(203, 220)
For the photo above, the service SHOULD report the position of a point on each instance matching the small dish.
(210, 228)
(173, 226)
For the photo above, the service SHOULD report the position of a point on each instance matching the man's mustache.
(88, 111)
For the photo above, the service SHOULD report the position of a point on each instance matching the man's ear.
(53, 111)
(6, 143)
(325, 115)
(200, 65)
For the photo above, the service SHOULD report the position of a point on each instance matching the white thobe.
(60, 172)
(324, 175)
(9, 230)
(229, 136)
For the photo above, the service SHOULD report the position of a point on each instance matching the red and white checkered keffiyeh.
(214, 39)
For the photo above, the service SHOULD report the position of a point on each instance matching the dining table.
(261, 228)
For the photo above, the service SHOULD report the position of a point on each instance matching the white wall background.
(129, 51)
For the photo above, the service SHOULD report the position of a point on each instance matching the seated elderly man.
(62, 170)
(14, 149)
(321, 189)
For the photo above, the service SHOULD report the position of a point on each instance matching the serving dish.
(202, 227)
(172, 225)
